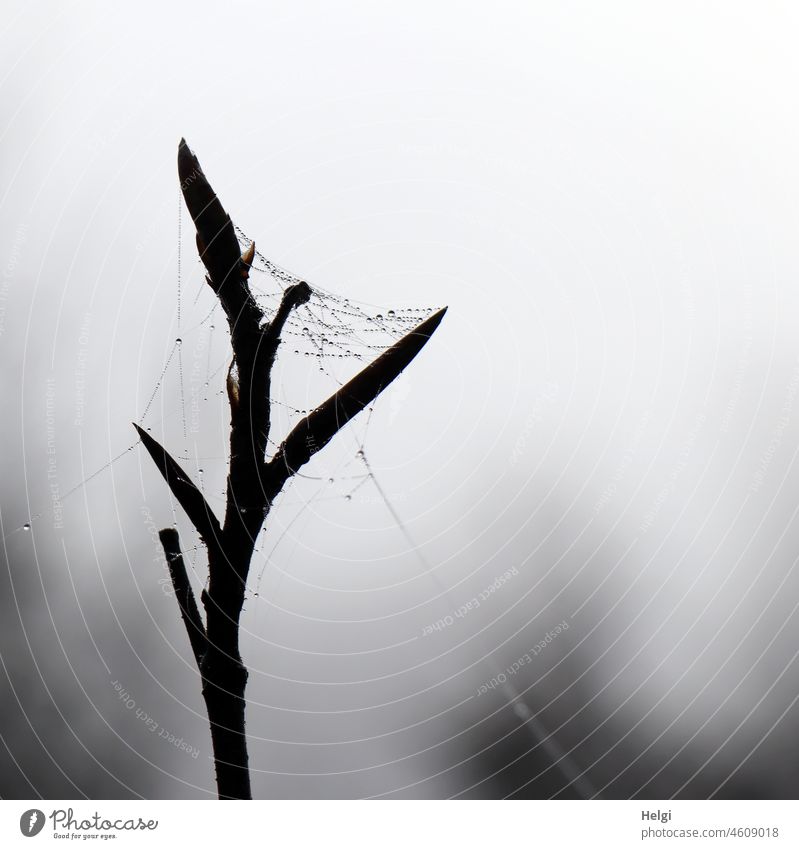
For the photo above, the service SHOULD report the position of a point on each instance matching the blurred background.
(573, 571)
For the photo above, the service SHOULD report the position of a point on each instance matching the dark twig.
(184, 594)
(252, 483)
(318, 428)
(189, 497)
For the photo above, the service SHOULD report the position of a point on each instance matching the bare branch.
(217, 242)
(252, 483)
(250, 413)
(318, 428)
(293, 297)
(254, 343)
(189, 497)
(219, 247)
(183, 592)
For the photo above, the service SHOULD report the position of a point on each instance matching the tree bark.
(224, 683)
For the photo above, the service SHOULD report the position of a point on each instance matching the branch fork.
(252, 481)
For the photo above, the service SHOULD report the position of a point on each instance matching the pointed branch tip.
(187, 494)
(317, 429)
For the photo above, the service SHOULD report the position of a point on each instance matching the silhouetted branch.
(188, 496)
(252, 483)
(293, 297)
(216, 236)
(189, 611)
(318, 428)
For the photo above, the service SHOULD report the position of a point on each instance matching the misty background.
(602, 433)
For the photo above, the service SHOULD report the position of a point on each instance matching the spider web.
(324, 343)
(334, 334)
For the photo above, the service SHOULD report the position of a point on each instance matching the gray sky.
(604, 196)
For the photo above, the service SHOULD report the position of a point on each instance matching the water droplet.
(348, 498)
(26, 527)
(391, 313)
(379, 317)
(359, 454)
(330, 480)
(178, 341)
(213, 327)
(200, 472)
(305, 331)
